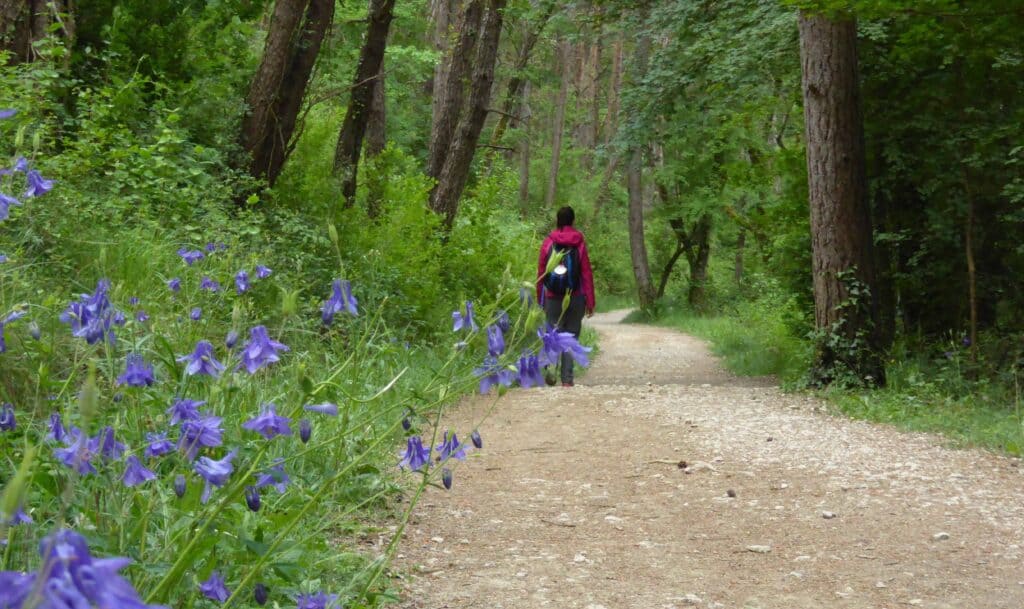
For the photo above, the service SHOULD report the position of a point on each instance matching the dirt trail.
(576, 500)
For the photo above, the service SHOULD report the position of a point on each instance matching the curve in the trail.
(577, 500)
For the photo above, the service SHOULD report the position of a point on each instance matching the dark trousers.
(570, 320)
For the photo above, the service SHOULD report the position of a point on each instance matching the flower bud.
(179, 486)
(477, 440)
(232, 339)
(406, 424)
(34, 331)
(259, 593)
(305, 430)
(252, 499)
(446, 478)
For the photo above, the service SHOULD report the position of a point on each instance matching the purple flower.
(268, 423)
(195, 314)
(204, 431)
(184, 410)
(7, 421)
(305, 430)
(6, 202)
(133, 301)
(157, 445)
(209, 284)
(211, 247)
(215, 472)
(252, 498)
(241, 281)
(90, 317)
(232, 339)
(416, 455)
(260, 350)
(141, 316)
(18, 517)
(477, 440)
(180, 486)
(446, 478)
(325, 408)
(174, 284)
(78, 454)
(451, 448)
(320, 600)
(136, 373)
(341, 300)
(105, 444)
(492, 374)
(259, 594)
(555, 343)
(529, 372)
(190, 256)
(72, 578)
(275, 476)
(495, 341)
(7, 113)
(504, 322)
(464, 322)
(119, 319)
(37, 185)
(56, 427)
(262, 272)
(21, 164)
(201, 361)
(135, 473)
(214, 588)
(3, 258)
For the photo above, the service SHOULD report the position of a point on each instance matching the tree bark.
(377, 121)
(698, 252)
(25, 22)
(353, 128)
(455, 169)
(559, 124)
(517, 84)
(524, 153)
(611, 118)
(279, 85)
(841, 240)
(443, 13)
(450, 87)
(637, 243)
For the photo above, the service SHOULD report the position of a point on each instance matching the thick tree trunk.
(377, 121)
(450, 87)
(353, 129)
(559, 124)
(443, 13)
(279, 86)
(637, 243)
(843, 264)
(698, 252)
(524, 153)
(455, 170)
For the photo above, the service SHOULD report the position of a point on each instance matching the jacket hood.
(567, 235)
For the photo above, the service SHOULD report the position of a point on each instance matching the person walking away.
(564, 252)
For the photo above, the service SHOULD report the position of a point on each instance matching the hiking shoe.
(567, 384)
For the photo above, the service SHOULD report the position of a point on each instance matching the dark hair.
(566, 216)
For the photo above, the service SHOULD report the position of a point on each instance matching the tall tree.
(637, 240)
(296, 32)
(843, 264)
(25, 22)
(353, 129)
(558, 126)
(455, 170)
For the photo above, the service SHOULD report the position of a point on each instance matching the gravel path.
(578, 500)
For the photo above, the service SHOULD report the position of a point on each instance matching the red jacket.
(567, 235)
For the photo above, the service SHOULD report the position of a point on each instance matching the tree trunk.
(376, 122)
(443, 13)
(666, 272)
(611, 117)
(25, 22)
(517, 84)
(279, 86)
(455, 170)
(698, 253)
(559, 125)
(353, 129)
(637, 244)
(524, 153)
(450, 87)
(843, 265)
(589, 66)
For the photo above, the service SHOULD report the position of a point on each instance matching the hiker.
(569, 275)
